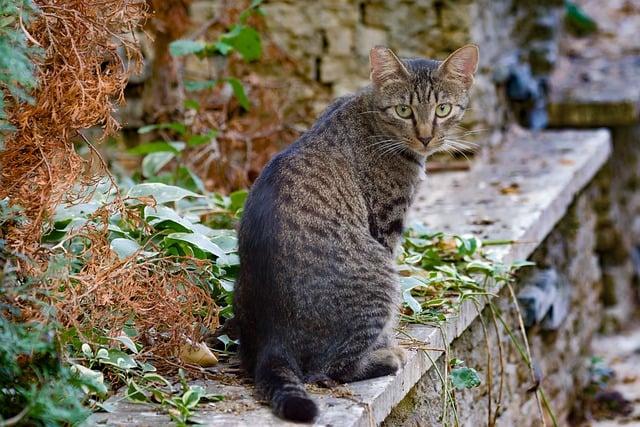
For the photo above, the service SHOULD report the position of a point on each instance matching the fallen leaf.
(513, 188)
(198, 354)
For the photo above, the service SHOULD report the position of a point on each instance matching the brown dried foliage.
(80, 76)
(160, 295)
(89, 52)
(246, 139)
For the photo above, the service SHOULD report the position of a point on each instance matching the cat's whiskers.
(389, 147)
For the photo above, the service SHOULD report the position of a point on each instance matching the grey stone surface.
(559, 356)
(621, 352)
(595, 92)
(336, 36)
(618, 205)
(543, 171)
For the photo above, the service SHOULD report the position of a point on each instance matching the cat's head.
(419, 101)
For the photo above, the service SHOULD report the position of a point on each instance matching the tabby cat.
(317, 295)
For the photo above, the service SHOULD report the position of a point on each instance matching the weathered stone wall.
(330, 41)
(618, 207)
(560, 356)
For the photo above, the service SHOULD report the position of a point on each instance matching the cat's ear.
(461, 65)
(386, 67)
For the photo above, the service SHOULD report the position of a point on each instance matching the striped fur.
(317, 292)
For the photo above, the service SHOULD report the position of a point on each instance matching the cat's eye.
(443, 110)
(403, 111)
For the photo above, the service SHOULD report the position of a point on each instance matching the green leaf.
(191, 104)
(519, 264)
(467, 246)
(238, 92)
(119, 359)
(126, 341)
(224, 339)
(162, 193)
(229, 260)
(228, 244)
(80, 210)
(93, 379)
(578, 20)
(185, 47)
(202, 139)
(157, 147)
(464, 378)
(163, 217)
(245, 40)
(179, 128)
(153, 377)
(86, 350)
(103, 353)
(135, 393)
(199, 241)
(154, 162)
(238, 198)
(199, 85)
(191, 397)
(407, 284)
(124, 247)
(222, 47)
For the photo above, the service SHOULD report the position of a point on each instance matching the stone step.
(519, 193)
(595, 92)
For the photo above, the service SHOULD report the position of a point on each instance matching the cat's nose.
(425, 140)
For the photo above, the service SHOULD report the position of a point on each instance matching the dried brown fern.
(89, 53)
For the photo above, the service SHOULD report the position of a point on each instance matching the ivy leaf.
(238, 92)
(464, 378)
(185, 47)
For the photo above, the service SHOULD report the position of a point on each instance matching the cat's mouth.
(436, 145)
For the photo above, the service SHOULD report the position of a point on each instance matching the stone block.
(339, 40)
(334, 68)
(367, 37)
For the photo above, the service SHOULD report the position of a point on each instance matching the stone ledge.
(595, 92)
(519, 194)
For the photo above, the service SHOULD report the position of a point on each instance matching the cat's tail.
(276, 378)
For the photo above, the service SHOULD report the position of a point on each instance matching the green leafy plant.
(438, 272)
(463, 377)
(241, 38)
